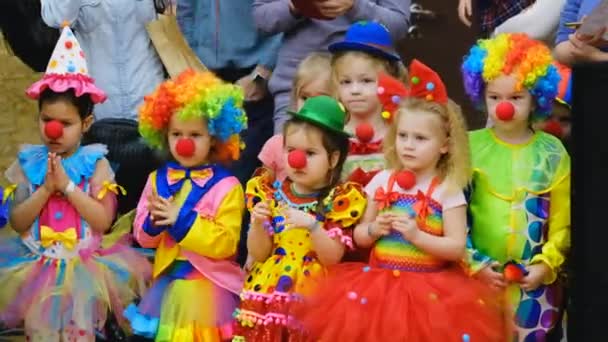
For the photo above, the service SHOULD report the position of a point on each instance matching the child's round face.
(420, 141)
(318, 163)
(358, 86)
(194, 130)
(315, 87)
(69, 127)
(502, 89)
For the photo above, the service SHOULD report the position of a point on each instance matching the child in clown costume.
(190, 210)
(63, 273)
(299, 225)
(412, 289)
(520, 193)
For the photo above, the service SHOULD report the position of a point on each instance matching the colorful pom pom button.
(363, 300)
(415, 80)
(430, 86)
(395, 99)
(380, 90)
(396, 273)
(466, 338)
(386, 115)
(429, 97)
(352, 295)
(432, 296)
(69, 45)
(366, 268)
(58, 215)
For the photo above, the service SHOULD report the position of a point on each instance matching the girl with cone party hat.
(62, 275)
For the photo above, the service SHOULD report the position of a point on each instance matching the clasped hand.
(56, 179)
(402, 223)
(163, 212)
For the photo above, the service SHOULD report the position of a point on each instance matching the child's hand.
(535, 277)
(381, 226)
(260, 213)
(164, 211)
(495, 280)
(61, 178)
(406, 225)
(295, 218)
(49, 179)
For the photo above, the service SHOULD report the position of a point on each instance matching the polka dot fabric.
(274, 288)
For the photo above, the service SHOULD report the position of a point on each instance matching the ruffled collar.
(81, 164)
(510, 169)
(284, 192)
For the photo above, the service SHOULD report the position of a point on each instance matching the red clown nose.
(185, 147)
(505, 111)
(297, 159)
(53, 129)
(406, 179)
(364, 132)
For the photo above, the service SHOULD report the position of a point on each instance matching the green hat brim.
(317, 123)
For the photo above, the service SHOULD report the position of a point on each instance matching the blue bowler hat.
(370, 37)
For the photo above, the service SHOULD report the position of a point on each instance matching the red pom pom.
(297, 159)
(364, 132)
(514, 272)
(68, 45)
(53, 129)
(185, 147)
(505, 111)
(553, 127)
(406, 179)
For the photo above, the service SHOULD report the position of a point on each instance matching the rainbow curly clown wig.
(196, 95)
(512, 54)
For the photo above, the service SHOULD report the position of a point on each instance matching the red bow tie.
(357, 147)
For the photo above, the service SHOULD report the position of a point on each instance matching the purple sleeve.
(394, 14)
(570, 13)
(274, 16)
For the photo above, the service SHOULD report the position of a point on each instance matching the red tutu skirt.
(362, 303)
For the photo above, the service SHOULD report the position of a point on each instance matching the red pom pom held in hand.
(297, 159)
(364, 132)
(185, 147)
(505, 111)
(514, 272)
(553, 127)
(406, 179)
(53, 129)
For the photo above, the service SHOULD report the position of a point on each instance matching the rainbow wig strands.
(196, 95)
(512, 54)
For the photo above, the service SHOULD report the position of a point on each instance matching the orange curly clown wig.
(196, 95)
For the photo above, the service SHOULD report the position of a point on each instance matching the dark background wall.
(443, 43)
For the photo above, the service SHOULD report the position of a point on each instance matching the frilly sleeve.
(345, 207)
(259, 188)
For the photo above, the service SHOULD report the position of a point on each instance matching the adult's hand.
(465, 11)
(334, 8)
(254, 91)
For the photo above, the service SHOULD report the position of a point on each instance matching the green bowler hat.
(323, 111)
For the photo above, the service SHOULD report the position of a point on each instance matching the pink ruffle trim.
(246, 316)
(345, 239)
(269, 298)
(59, 83)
